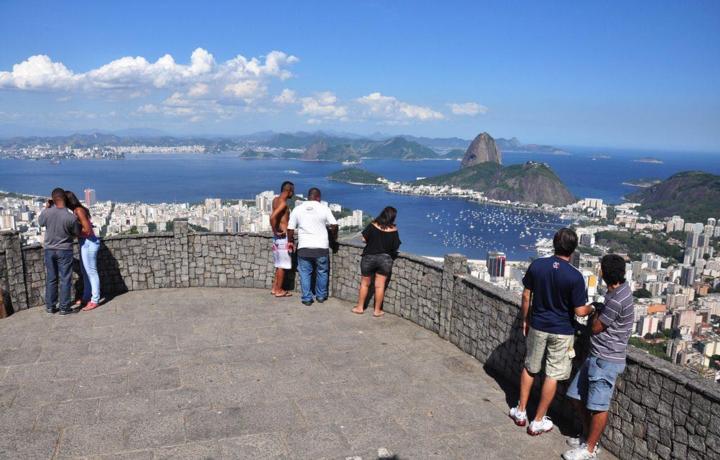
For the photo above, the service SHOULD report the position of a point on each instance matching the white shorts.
(281, 256)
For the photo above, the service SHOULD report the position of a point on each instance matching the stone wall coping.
(139, 236)
(403, 255)
(9, 232)
(493, 290)
(265, 235)
(33, 246)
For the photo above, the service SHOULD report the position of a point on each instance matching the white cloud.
(247, 90)
(39, 72)
(323, 105)
(198, 90)
(148, 108)
(205, 88)
(137, 73)
(392, 110)
(287, 96)
(468, 108)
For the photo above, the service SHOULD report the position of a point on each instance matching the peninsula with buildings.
(481, 177)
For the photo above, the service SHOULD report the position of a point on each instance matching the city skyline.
(560, 74)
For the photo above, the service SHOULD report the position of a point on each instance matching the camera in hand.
(599, 306)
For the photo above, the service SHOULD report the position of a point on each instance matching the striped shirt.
(618, 316)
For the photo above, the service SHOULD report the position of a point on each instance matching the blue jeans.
(594, 383)
(88, 265)
(305, 268)
(58, 264)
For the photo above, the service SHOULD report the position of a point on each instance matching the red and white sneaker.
(537, 428)
(90, 306)
(518, 416)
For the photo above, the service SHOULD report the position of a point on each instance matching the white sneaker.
(576, 442)
(543, 426)
(580, 442)
(581, 453)
(518, 416)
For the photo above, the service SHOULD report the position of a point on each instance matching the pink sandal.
(90, 306)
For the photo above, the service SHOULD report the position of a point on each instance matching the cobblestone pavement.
(236, 373)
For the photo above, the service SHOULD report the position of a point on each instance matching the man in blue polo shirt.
(554, 293)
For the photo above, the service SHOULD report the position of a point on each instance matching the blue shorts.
(594, 383)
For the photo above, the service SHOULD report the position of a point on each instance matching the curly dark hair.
(613, 269)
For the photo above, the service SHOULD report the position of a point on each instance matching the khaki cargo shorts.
(557, 349)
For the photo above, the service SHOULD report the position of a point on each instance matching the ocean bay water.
(429, 226)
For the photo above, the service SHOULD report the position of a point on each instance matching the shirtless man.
(278, 223)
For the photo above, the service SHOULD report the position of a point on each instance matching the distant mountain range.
(692, 195)
(372, 146)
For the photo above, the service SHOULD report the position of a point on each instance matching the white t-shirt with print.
(310, 220)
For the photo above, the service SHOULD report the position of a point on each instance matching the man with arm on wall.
(554, 293)
(592, 388)
(313, 221)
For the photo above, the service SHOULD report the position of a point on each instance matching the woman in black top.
(381, 247)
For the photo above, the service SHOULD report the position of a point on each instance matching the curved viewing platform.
(237, 373)
(205, 372)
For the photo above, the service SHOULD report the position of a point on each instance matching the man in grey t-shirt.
(59, 223)
(593, 385)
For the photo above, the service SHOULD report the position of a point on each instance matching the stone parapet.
(660, 410)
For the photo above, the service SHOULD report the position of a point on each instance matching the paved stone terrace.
(236, 373)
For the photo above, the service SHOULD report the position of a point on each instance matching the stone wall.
(238, 260)
(415, 286)
(659, 411)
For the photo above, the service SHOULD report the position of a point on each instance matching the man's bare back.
(280, 216)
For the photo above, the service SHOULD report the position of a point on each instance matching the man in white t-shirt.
(313, 221)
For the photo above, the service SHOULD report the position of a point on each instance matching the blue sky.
(642, 74)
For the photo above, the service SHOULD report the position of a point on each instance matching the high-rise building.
(687, 276)
(7, 222)
(675, 301)
(675, 224)
(263, 201)
(655, 288)
(90, 197)
(587, 239)
(357, 217)
(575, 259)
(213, 203)
(496, 264)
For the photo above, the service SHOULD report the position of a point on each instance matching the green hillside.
(693, 195)
(355, 176)
(528, 183)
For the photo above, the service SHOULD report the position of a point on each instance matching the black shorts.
(371, 264)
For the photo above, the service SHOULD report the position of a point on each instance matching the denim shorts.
(594, 383)
(371, 264)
